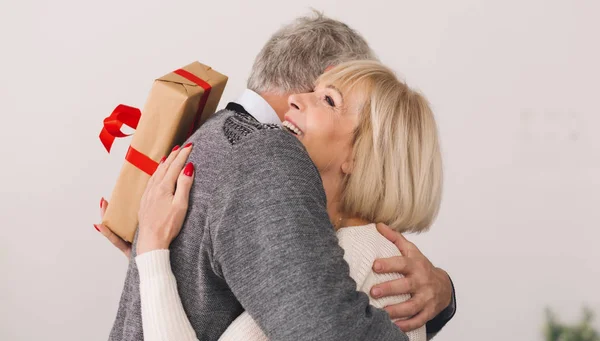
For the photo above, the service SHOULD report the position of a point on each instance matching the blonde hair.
(397, 170)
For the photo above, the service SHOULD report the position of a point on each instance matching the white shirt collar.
(258, 107)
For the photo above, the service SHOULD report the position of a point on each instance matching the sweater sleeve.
(438, 322)
(275, 247)
(163, 316)
(244, 328)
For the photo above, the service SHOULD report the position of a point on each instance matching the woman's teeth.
(291, 127)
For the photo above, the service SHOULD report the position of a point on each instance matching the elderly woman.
(374, 142)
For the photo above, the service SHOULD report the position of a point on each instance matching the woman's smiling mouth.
(291, 127)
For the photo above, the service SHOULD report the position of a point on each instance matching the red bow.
(123, 114)
(130, 116)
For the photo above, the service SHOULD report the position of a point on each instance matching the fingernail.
(175, 148)
(377, 266)
(376, 292)
(96, 227)
(187, 145)
(101, 201)
(163, 159)
(189, 169)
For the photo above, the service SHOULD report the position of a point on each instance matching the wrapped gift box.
(178, 104)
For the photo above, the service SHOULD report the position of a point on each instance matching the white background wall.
(514, 85)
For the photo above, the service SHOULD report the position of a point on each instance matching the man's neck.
(278, 102)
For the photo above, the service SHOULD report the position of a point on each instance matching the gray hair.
(298, 53)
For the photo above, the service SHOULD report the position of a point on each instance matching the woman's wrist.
(144, 246)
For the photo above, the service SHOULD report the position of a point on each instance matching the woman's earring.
(338, 223)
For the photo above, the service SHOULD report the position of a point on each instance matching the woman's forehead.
(344, 87)
(354, 95)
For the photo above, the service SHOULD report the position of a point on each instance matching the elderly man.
(214, 259)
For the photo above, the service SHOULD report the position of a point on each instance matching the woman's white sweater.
(164, 318)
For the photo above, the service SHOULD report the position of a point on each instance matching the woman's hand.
(117, 241)
(163, 206)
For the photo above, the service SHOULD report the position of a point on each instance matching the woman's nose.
(296, 102)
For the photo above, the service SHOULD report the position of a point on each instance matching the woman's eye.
(329, 101)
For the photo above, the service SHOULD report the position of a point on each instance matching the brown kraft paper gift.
(168, 118)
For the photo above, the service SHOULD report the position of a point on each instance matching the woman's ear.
(347, 167)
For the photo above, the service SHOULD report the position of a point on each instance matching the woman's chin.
(302, 140)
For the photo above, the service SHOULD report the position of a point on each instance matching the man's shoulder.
(265, 155)
(238, 127)
(238, 142)
(250, 137)
(241, 128)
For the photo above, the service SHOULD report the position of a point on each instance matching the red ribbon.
(200, 82)
(141, 161)
(123, 114)
(130, 116)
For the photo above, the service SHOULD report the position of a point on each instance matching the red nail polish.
(163, 159)
(189, 169)
(187, 145)
(96, 227)
(101, 202)
(175, 148)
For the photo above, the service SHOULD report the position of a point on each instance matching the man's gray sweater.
(257, 237)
